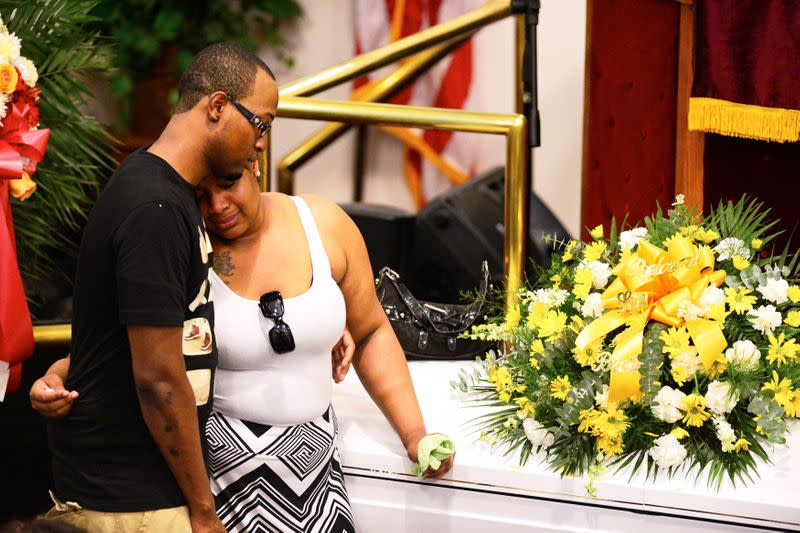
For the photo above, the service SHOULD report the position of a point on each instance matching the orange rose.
(23, 187)
(8, 79)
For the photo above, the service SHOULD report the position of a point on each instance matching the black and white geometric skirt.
(278, 478)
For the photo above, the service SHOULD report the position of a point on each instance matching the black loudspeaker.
(388, 233)
(457, 230)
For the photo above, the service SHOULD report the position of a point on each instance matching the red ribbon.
(18, 141)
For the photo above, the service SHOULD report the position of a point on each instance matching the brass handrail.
(382, 89)
(513, 126)
(357, 66)
(52, 334)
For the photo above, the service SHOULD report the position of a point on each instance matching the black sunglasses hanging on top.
(280, 335)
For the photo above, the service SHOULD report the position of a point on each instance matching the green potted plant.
(155, 40)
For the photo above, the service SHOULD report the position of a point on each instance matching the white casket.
(486, 492)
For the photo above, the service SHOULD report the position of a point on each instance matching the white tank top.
(253, 382)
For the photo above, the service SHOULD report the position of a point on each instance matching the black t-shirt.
(144, 260)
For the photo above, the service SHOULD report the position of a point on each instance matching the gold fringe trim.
(742, 120)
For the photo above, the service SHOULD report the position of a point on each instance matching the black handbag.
(428, 330)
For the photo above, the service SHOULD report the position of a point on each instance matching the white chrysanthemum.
(743, 354)
(600, 273)
(690, 311)
(775, 290)
(536, 433)
(719, 398)
(629, 239)
(666, 404)
(667, 452)
(679, 199)
(28, 70)
(765, 319)
(601, 398)
(712, 296)
(688, 360)
(725, 431)
(550, 297)
(10, 46)
(731, 246)
(593, 307)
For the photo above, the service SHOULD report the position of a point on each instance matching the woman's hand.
(342, 356)
(50, 399)
(413, 453)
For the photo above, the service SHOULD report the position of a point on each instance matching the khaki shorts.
(174, 519)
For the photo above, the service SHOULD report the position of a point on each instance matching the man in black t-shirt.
(128, 456)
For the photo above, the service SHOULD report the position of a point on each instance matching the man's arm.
(168, 407)
(48, 396)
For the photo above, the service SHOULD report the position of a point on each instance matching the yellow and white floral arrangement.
(669, 346)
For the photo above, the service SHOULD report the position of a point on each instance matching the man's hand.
(206, 523)
(50, 399)
(342, 356)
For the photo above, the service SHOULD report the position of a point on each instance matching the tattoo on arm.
(223, 265)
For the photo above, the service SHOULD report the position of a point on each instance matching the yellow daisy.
(676, 340)
(792, 319)
(718, 366)
(537, 347)
(695, 407)
(512, 319)
(560, 387)
(588, 355)
(587, 417)
(583, 283)
(781, 389)
(792, 406)
(755, 244)
(680, 433)
(793, 292)
(568, 255)
(679, 374)
(708, 236)
(739, 300)
(609, 446)
(740, 263)
(597, 232)
(552, 325)
(536, 315)
(611, 423)
(741, 444)
(780, 350)
(594, 251)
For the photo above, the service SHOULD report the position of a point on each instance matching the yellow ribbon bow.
(652, 284)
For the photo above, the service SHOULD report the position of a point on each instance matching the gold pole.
(396, 115)
(519, 53)
(264, 163)
(52, 334)
(330, 77)
(359, 163)
(517, 192)
(382, 89)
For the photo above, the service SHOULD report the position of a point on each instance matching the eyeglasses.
(280, 336)
(251, 117)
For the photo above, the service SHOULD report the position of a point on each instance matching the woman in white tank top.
(273, 460)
